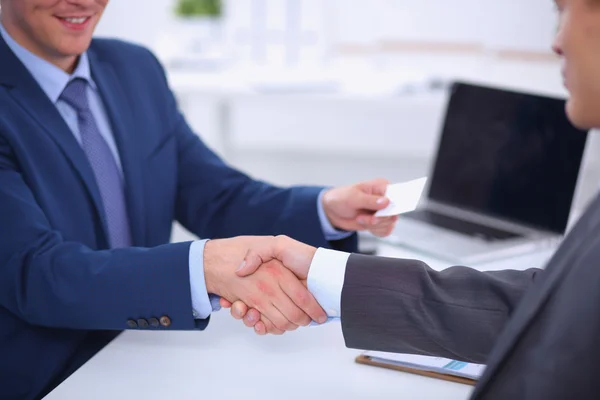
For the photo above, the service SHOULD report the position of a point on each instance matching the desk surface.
(229, 361)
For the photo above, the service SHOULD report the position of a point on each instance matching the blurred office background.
(334, 91)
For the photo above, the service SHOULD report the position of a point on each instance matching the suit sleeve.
(50, 282)
(403, 306)
(215, 200)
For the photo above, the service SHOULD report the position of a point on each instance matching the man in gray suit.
(538, 330)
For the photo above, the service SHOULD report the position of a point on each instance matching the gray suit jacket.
(538, 331)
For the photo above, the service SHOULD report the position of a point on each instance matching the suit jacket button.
(142, 323)
(131, 324)
(165, 321)
(153, 322)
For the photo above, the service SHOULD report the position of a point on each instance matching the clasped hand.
(268, 290)
(271, 293)
(272, 290)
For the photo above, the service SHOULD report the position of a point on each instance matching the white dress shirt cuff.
(331, 234)
(201, 303)
(326, 279)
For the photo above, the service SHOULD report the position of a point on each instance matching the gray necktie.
(103, 164)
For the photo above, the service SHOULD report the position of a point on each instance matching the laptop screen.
(508, 155)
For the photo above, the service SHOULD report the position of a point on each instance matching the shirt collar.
(51, 79)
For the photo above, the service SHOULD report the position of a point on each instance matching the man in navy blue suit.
(96, 162)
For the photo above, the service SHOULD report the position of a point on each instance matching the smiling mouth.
(76, 23)
(74, 20)
(79, 20)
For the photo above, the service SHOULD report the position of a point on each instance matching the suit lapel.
(117, 105)
(30, 96)
(557, 268)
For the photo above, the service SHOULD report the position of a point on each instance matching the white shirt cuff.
(201, 304)
(326, 279)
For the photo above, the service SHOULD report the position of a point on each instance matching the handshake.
(268, 290)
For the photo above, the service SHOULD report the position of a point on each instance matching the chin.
(581, 117)
(75, 49)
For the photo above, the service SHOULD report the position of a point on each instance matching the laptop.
(503, 180)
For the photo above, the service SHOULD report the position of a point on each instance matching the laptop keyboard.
(461, 226)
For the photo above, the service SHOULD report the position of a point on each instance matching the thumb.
(251, 263)
(371, 202)
(259, 254)
(375, 186)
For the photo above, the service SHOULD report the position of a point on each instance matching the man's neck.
(66, 63)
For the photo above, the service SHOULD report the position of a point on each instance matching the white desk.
(228, 361)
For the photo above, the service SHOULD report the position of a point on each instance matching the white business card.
(404, 197)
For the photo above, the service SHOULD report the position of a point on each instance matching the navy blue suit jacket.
(63, 294)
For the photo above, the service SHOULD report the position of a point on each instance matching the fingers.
(280, 314)
(265, 326)
(382, 233)
(369, 221)
(260, 328)
(262, 325)
(378, 186)
(282, 311)
(276, 294)
(304, 300)
(385, 227)
(224, 303)
(270, 299)
(239, 310)
(252, 318)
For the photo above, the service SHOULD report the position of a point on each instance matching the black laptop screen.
(509, 155)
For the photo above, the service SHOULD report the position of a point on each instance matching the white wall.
(140, 21)
(526, 24)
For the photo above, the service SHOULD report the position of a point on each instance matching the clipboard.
(366, 360)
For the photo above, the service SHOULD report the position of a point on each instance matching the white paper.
(425, 363)
(404, 197)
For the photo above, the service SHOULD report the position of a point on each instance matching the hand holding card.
(404, 197)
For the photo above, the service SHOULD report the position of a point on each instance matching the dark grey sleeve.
(403, 306)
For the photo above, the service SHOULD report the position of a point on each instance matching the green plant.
(194, 8)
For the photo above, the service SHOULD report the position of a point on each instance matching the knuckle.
(256, 302)
(278, 324)
(272, 269)
(302, 299)
(305, 320)
(297, 316)
(282, 325)
(281, 238)
(264, 288)
(291, 327)
(267, 324)
(270, 328)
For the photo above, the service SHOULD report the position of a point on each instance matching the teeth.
(76, 20)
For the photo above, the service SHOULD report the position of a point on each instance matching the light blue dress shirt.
(53, 81)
